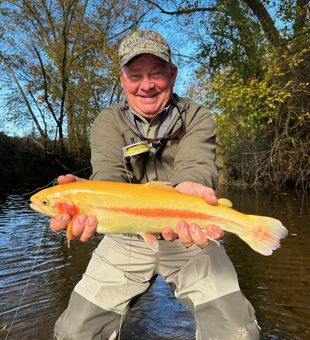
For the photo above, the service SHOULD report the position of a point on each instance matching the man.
(154, 135)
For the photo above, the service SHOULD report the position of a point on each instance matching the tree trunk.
(267, 24)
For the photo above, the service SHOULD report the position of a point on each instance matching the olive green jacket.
(187, 155)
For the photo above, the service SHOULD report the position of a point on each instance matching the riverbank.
(23, 162)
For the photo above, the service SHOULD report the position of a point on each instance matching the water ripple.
(277, 286)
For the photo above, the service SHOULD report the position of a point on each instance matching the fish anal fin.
(150, 240)
(211, 232)
(225, 202)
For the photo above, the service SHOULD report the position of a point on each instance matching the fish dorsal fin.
(160, 185)
(225, 202)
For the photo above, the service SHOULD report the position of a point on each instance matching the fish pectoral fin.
(225, 202)
(101, 229)
(69, 233)
(150, 240)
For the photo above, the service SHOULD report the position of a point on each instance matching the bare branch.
(22, 92)
(190, 58)
(182, 10)
(46, 99)
(136, 23)
(49, 17)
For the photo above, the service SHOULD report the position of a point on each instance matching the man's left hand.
(190, 234)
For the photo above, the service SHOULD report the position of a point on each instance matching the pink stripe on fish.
(172, 213)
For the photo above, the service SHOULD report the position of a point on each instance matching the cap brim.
(126, 60)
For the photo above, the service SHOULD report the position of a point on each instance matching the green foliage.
(234, 39)
(260, 98)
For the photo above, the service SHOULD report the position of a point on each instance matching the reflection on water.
(277, 286)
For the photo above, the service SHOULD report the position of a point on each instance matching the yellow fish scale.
(142, 208)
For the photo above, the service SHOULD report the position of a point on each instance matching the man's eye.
(134, 77)
(157, 74)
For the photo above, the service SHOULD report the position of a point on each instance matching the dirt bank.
(24, 162)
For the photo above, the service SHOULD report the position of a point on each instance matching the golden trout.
(147, 208)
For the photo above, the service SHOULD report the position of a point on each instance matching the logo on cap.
(143, 41)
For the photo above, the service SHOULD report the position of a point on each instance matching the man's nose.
(147, 84)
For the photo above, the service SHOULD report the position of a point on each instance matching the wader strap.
(169, 117)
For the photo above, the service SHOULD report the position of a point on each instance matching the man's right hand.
(83, 227)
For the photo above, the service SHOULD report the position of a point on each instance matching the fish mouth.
(45, 210)
(36, 208)
(39, 209)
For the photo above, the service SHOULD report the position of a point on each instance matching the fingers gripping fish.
(148, 208)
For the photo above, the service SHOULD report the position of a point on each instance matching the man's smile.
(148, 84)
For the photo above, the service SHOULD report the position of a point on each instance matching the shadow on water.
(277, 286)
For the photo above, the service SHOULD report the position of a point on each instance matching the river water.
(35, 283)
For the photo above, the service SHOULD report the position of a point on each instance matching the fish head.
(52, 202)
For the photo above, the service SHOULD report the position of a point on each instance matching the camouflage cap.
(143, 41)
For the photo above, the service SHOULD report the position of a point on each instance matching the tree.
(255, 76)
(62, 56)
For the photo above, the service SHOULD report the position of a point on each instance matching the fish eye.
(45, 201)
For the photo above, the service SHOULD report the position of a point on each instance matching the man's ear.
(174, 73)
(121, 77)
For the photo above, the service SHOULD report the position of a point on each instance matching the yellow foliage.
(250, 112)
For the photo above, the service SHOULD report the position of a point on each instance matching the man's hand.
(83, 227)
(190, 234)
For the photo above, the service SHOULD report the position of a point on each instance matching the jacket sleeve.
(106, 149)
(196, 158)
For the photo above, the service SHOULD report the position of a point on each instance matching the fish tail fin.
(265, 236)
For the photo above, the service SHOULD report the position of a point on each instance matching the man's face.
(148, 84)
